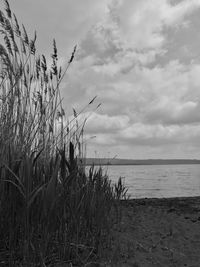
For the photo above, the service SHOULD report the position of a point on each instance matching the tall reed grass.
(50, 210)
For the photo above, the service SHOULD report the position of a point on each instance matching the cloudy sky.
(140, 57)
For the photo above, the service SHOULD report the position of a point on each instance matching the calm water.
(158, 180)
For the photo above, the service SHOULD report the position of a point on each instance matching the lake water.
(158, 180)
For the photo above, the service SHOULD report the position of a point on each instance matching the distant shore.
(107, 161)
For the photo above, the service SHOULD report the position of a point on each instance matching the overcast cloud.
(142, 59)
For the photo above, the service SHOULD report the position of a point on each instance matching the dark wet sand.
(157, 232)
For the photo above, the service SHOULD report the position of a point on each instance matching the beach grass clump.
(51, 211)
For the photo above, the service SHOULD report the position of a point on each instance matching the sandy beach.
(157, 232)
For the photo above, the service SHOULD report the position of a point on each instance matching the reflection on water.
(158, 180)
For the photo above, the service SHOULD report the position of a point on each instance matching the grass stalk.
(50, 210)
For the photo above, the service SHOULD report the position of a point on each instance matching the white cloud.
(176, 13)
(141, 22)
(169, 111)
(102, 123)
(157, 134)
(131, 33)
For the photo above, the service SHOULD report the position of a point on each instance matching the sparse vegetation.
(50, 210)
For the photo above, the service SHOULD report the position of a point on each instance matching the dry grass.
(50, 210)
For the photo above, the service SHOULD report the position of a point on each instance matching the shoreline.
(176, 204)
(163, 201)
